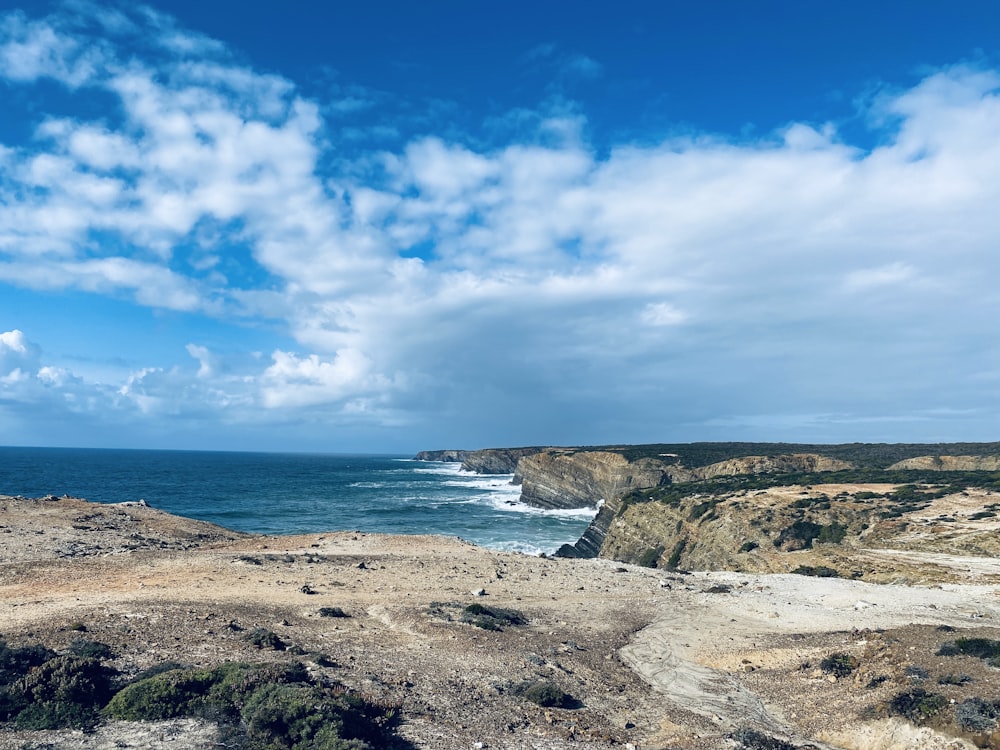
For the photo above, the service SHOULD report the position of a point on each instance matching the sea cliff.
(688, 505)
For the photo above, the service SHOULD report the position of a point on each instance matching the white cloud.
(293, 381)
(547, 267)
(32, 49)
(13, 341)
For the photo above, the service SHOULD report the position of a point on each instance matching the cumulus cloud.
(537, 271)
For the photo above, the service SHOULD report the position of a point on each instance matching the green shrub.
(832, 534)
(546, 694)
(90, 649)
(917, 705)
(749, 546)
(839, 664)
(279, 704)
(65, 691)
(984, 648)
(17, 662)
(264, 638)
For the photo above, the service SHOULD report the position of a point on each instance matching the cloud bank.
(790, 286)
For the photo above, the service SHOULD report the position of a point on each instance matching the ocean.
(291, 493)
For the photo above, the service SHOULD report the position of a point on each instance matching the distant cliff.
(949, 463)
(449, 456)
(496, 460)
(666, 505)
(564, 478)
(582, 479)
(568, 478)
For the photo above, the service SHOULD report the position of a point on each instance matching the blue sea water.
(282, 493)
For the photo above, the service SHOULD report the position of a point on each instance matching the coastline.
(640, 649)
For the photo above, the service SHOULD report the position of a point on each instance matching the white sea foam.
(442, 468)
(523, 548)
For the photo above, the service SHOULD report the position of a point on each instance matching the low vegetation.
(478, 615)
(751, 739)
(839, 664)
(546, 694)
(817, 571)
(917, 705)
(260, 706)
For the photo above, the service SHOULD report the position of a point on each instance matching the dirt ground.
(656, 660)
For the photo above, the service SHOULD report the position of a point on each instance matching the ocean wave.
(441, 469)
(522, 547)
(515, 506)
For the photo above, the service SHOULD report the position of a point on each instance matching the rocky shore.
(638, 656)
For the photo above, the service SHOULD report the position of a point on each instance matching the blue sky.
(395, 226)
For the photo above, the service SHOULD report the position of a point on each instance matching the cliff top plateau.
(444, 645)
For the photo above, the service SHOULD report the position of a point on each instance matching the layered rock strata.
(565, 478)
(949, 463)
(496, 460)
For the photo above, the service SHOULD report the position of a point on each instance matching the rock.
(949, 463)
(447, 456)
(496, 460)
(560, 478)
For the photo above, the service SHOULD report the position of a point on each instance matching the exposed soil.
(655, 659)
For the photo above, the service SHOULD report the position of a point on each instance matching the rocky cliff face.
(950, 463)
(795, 462)
(557, 478)
(581, 479)
(860, 531)
(450, 456)
(495, 460)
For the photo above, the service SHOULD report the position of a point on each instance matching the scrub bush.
(492, 618)
(839, 664)
(546, 694)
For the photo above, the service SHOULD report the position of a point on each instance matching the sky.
(394, 226)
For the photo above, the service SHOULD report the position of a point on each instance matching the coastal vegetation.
(259, 706)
